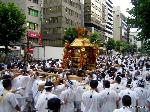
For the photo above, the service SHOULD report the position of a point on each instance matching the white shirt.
(108, 99)
(21, 82)
(58, 89)
(8, 102)
(132, 94)
(123, 109)
(79, 92)
(142, 94)
(68, 97)
(90, 101)
(41, 104)
(35, 87)
(117, 87)
(1, 87)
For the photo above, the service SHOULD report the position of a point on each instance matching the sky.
(124, 4)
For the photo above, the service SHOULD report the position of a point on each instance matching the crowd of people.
(118, 84)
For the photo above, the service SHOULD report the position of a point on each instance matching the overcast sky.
(124, 4)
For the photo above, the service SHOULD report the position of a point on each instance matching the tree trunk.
(6, 59)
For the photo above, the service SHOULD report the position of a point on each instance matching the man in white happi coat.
(41, 105)
(8, 101)
(126, 101)
(131, 93)
(68, 97)
(20, 84)
(142, 94)
(116, 86)
(90, 98)
(78, 96)
(39, 80)
(108, 98)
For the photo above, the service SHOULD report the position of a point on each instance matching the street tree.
(70, 34)
(110, 45)
(118, 45)
(96, 37)
(12, 21)
(140, 18)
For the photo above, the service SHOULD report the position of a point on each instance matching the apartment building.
(133, 38)
(109, 19)
(94, 10)
(120, 27)
(58, 15)
(32, 9)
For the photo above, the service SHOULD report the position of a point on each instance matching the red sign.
(33, 34)
(30, 50)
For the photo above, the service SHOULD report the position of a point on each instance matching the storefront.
(33, 39)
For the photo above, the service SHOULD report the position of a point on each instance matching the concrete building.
(32, 9)
(120, 28)
(58, 15)
(133, 38)
(109, 19)
(94, 15)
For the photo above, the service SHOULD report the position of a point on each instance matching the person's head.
(141, 83)
(7, 84)
(148, 77)
(126, 100)
(129, 82)
(106, 84)
(54, 104)
(48, 86)
(7, 77)
(93, 84)
(118, 79)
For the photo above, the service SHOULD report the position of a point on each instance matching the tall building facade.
(109, 19)
(58, 15)
(120, 27)
(94, 10)
(133, 38)
(32, 10)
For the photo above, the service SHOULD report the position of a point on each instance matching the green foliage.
(118, 45)
(140, 18)
(95, 37)
(12, 21)
(110, 44)
(128, 48)
(70, 34)
(145, 48)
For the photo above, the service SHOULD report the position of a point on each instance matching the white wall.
(48, 52)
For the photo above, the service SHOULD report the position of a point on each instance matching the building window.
(33, 12)
(35, 1)
(67, 21)
(54, 20)
(33, 26)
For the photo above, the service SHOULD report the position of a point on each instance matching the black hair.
(148, 78)
(49, 85)
(126, 100)
(129, 82)
(6, 83)
(7, 77)
(106, 84)
(93, 84)
(54, 104)
(118, 79)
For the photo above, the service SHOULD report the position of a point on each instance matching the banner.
(40, 39)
